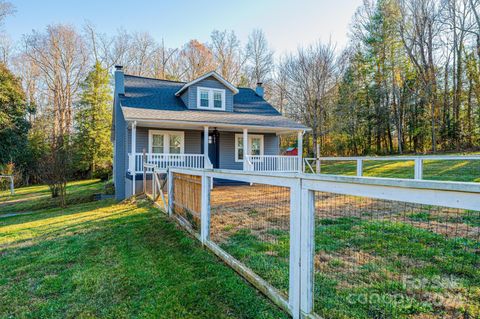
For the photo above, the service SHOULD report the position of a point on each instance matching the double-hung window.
(211, 99)
(169, 142)
(255, 146)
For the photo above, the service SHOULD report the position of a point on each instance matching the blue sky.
(286, 23)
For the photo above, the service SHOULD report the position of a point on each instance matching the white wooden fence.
(302, 218)
(313, 165)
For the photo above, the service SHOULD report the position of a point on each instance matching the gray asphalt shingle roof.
(147, 98)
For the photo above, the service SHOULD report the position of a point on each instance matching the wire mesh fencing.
(187, 194)
(389, 259)
(252, 223)
(312, 249)
(155, 187)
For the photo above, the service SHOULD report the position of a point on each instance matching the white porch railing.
(165, 161)
(272, 163)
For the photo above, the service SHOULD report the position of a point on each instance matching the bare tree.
(60, 56)
(260, 57)
(5, 49)
(419, 30)
(31, 82)
(197, 60)
(6, 9)
(120, 47)
(280, 88)
(100, 46)
(312, 80)
(162, 60)
(228, 55)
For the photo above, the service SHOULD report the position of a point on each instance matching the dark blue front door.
(213, 148)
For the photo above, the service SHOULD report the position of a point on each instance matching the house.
(204, 123)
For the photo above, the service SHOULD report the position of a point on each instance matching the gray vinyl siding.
(271, 144)
(190, 96)
(227, 148)
(120, 166)
(192, 140)
(227, 151)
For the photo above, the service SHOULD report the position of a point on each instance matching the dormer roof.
(214, 74)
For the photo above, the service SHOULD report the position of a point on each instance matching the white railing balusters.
(165, 161)
(272, 163)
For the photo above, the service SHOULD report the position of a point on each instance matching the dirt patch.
(260, 208)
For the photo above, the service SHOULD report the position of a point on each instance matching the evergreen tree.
(13, 124)
(93, 120)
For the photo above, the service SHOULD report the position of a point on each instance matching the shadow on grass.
(126, 262)
(30, 199)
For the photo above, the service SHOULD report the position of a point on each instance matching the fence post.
(154, 186)
(12, 188)
(144, 160)
(418, 168)
(295, 246)
(170, 192)
(205, 212)
(317, 166)
(307, 251)
(359, 167)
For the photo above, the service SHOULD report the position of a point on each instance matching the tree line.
(407, 82)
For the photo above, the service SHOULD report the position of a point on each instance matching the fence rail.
(351, 206)
(313, 165)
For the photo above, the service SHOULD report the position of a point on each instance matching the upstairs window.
(217, 100)
(212, 99)
(203, 98)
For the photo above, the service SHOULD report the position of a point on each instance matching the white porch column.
(245, 149)
(133, 157)
(206, 159)
(300, 151)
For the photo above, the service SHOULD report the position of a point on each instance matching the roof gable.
(214, 74)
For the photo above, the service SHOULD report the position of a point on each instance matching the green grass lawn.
(376, 269)
(452, 170)
(113, 260)
(31, 198)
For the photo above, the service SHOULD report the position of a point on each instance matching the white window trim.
(166, 140)
(250, 138)
(210, 99)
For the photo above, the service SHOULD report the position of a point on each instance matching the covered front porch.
(183, 145)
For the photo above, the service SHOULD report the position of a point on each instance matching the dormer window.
(211, 99)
